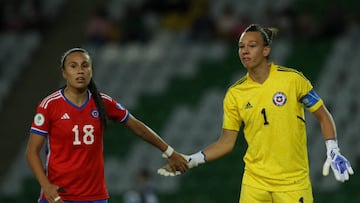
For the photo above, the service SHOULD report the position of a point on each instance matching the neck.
(260, 74)
(77, 97)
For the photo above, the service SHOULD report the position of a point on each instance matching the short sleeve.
(307, 94)
(41, 122)
(115, 110)
(231, 118)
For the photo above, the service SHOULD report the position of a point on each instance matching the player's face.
(252, 49)
(77, 70)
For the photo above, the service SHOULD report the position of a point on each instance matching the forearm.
(222, 146)
(38, 169)
(216, 151)
(175, 160)
(153, 138)
(328, 128)
(146, 133)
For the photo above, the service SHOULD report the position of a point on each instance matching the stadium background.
(169, 63)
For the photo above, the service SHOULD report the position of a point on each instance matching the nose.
(246, 49)
(243, 50)
(80, 70)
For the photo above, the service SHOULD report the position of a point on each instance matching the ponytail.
(99, 102)
(271, 32)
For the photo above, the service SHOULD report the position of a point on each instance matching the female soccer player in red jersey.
(70, 122)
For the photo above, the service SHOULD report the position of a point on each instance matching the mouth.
(80, 79)
(245, 59)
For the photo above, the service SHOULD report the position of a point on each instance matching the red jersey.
(74, 151)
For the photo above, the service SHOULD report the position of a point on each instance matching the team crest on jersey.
(95, 113)
(39, 119)
(279, 99)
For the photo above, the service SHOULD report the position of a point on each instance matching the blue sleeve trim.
(310, 99)
(126, 117)
(39, 132)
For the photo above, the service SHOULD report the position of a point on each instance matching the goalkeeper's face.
(252, 49)
(77, 70)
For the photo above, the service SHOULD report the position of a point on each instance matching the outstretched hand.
(177, 163)
(191, 160)
(339, 164)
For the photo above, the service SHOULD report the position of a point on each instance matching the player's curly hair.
(91, 86)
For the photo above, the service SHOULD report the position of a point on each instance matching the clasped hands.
(191, 161)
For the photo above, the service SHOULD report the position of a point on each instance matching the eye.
(72, 65)
(253, 44)
(241, 46)
(86, 65)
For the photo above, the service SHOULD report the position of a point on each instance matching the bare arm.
(224, 145)
(340, 165)
(176, 161)
(33, 157)
(327, 123)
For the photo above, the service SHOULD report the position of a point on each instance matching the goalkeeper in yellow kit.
(269, 101)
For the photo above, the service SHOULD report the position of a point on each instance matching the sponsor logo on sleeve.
(39, 119)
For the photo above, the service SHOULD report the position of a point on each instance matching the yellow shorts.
(250, 194)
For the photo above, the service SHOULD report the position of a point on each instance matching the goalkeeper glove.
(339, 164)
(192, 161)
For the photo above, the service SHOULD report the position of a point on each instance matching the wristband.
(168, 152)
(331, 144)
(199, 157)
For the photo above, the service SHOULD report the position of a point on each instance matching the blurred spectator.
(227, 23)
(353, 25)
(283, 20)
(307, 27)
(132, 196)
(203, 28)
(172, 14)
(20, 15)
(132, 25)
(98, 28)
(333, 21)
(12, 16)
(144, 191)
(145, 187)
(244, 22)
(203, 25)
(164, 7)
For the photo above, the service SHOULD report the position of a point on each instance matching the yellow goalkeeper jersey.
(274, 127)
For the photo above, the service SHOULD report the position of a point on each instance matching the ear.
(63, 73)
(266, 51)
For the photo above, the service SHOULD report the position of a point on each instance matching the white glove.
(339, 164)
(192, 161)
